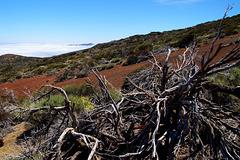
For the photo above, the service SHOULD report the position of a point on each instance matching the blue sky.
(56, 22)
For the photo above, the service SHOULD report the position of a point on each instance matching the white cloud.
(39, 49)
(172, 2)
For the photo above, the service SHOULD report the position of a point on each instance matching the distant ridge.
(8, 56)
(83, 44)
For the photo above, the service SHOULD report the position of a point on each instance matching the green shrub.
(125, 63)
(56, 66)
(142, 58)
(236, 31)
(132, 59)
(115, 95)
(66, 75)
(184, 41)
(90, 63)
(105, 66)
(230, 77)
(19, 76)
(39, 70)
(116, 60)
(78, 90)
(205, 41)
(143, 50)
(199, 44)
(99, 67)
(81, 56)
(80, 103)
(211, 35)
(138, 55)
(236, 41)
(54, 101)
(230, 29)
(102, 54)
(108, 66)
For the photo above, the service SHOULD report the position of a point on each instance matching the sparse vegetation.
(116, 60)
(172, 113)
(79, 90)
(81, 103)
(135, 49)
(105, 66)
(229, 78)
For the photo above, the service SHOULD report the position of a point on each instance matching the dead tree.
(165, 116)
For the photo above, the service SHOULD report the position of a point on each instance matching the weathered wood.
(214, 87)
(165, 116)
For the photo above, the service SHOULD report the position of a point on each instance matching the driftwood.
(163, 114)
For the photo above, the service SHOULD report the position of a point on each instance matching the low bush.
(19, 76)
(205, 41)
(125, 63)
(56, 66)
(132, 59)
(39, 71)
(53, 101)
(115, 95)
(141, 53)
(184, 41)
(116, 60)
(108, 66)
(230, 78)
(230, 29)
(142, 58)
(81, 56)
(80, 103)
(82, 74)
(105, 66)
(236, 41)
(66, 75)
(91, 62)
(78, 90)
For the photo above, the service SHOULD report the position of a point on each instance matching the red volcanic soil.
(8, 56)
(28, 84)
(115, 75)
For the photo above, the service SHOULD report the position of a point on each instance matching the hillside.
(115, 75)
(12, 67)
(168, 102)
(8, 56)
(146, 111)
(107, 55)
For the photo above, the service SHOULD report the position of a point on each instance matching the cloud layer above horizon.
(39, 49)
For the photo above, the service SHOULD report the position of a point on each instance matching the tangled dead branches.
(163, 115)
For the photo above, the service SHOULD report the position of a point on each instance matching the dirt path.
(10, 147)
